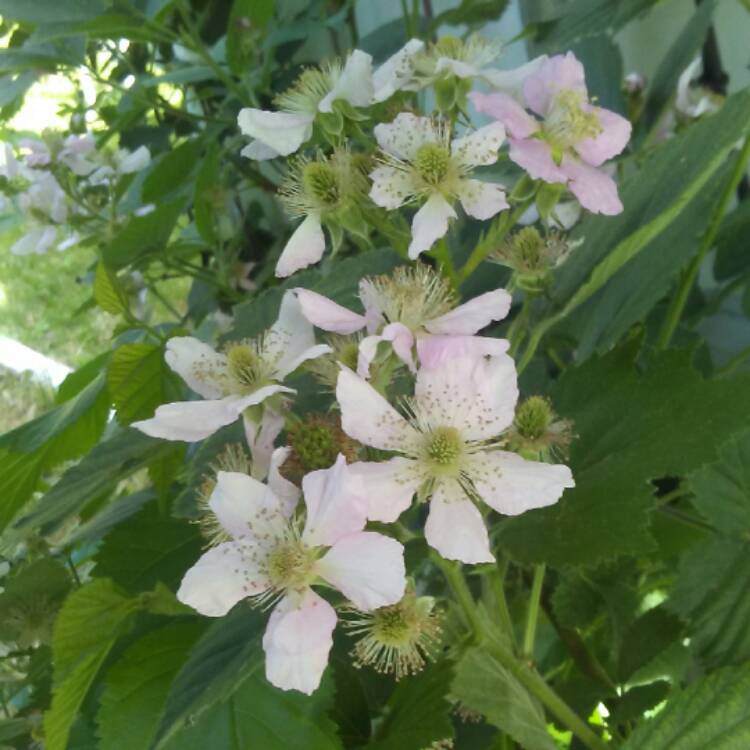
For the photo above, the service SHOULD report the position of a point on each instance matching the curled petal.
(479, 148)
(611, 141)
(261, 439)
(305, 247)
(197, 364)
(482, 200)
(594, 188)
(354, 85)
(396, 71)
(286, 491)
(327, 314)
(455, 527)
(403, 137)
(400, 338)
(535, 157)
(284, 132)
(389, 486)
(391, 187)
(473, 315)
(430, 224)
(518, 122)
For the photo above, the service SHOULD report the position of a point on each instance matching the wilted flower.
(573, 138)
(448, 446)
(421, 163)
(693, 101)
(538, 433)
(275, 558)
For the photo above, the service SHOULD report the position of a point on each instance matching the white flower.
(281, 133)
(246, 374)
(448, 446)
(75, 152)
(421, 162)
(123, 162)
(410, 307)
(397, 72)
(275, 558)
(694, 102)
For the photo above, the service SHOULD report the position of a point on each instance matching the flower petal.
(305, 247)
(439, 351)
(482, 200)
(511, 81)
(558, 73)
(389, 486)
(476, 396)
(512, 485)
(430, 224)
(481, 147)
(189, 420)
(133, 161)
(594, 188)
(38, 240)
(222, 577)
(261, 439)
(611, 141)
(396, 70)
(297, 641)
(368, 417)
(200, 366)
(354, 84)
(535, 157)
(455, 527)
(391, 187)
(473, 315)
(284, 132)
(518, 122)
(286, 491)
(259, 151)
(367, 568)
(327, 314)
(400, 338)
(236, 500)
(336, 504)
(403, 137)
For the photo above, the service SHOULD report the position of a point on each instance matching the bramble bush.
(415, 431)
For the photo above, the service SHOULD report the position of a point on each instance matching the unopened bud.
(537, 432)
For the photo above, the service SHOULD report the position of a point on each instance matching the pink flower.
(448, 452)
(274, 557)
(412, 306)
(572, 140)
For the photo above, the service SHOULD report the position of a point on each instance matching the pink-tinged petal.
(476, 396)
(437, 350)
(391, 187)
(535, 157)
(236, 501)
(430, 223)
(512, 485)
(455, 527)
(595, 189)
(197, 364)
(354, 85)
(336, 504)
(482, 200)
(610, 142)
(284, 132)
(389, 486)
(305, 247)
(403, 137)
(473, 315)
(371, 301)
(261, 438)
(327, 314)
(367, 568)
(297, 641)
(368, 417)
(480, 147)
(518, 122)
(511, 81)
(558, 73)
(287, 492)
(396, 70)
(222, 577)
(189, 421)
(398, 336)
(368, 350)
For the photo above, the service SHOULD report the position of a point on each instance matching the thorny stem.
(532, 616)
(677, 306)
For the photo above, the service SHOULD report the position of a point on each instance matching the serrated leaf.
(109, 293)
(712, 713)
(136, 686)
(646, 638)
(172, 171)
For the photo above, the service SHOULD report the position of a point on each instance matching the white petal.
(396, 70)
(389, 486)
(284, 132)
(236, 501)
(476, 396)
(511, 81)
(38, 241)
(134, 161)
(436, 350)
(367, 568)
(261, 439)
(479, 148)
(286, 491)
(368, 417)
(305, 247)
(336, 504)
(222, 577)
(403, 137)
(297, 641)
(400, 338)
(457, 68)
(189, 420)
(473, 315)
(370, 298)
(430, 224)
(327, 314)
(354, 85)
(391, 187)
(202, 368)
(511, 484)
(455, 527)
(482, 200)
(259, 151)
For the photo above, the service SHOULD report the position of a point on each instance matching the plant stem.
(443, 254)
(677, 306)
(532, 616)
(497, 581)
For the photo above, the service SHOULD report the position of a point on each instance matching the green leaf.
(712, 713)
(632, 428)
(171, 172)
(484, 685)
(136, 686)
(207, 199)
(647, 637)
(246, 17)
(109, 293)
(91, 620)
(148, 548)
(139, 381)
(50, 11)
(731, 256)
(228, 654)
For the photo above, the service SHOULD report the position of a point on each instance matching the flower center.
(533, 418)
(290, 565)
(444, 449)
(432, 162)
(306, 92)
(320, 183)
(568, 123)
